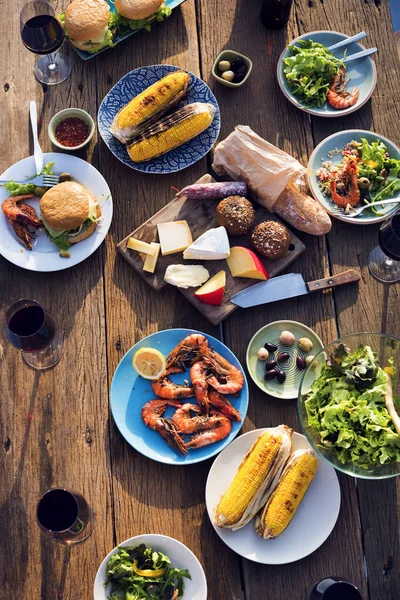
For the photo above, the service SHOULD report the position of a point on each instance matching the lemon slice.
(149, 363)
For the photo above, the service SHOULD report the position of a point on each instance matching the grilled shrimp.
(22, 217)
(152, 415)
(187, 424)
(180, 357)
(353, 194)
(200, 386)
(223, 405)
(221, 429)
(165, 388)
(337, 96)
(225, 378)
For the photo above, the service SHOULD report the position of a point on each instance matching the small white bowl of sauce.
(71, 129)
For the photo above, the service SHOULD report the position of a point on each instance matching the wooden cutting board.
(201, 216)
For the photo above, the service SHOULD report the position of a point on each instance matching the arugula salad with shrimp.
(142, 573)
(365, 173)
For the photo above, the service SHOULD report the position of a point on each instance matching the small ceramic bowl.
(70, 113)
(230, 55)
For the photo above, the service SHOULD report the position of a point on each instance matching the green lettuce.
(19, 189)
(346, 406)
(162, 13)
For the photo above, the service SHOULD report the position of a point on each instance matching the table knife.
(289, 286)
(37, 151)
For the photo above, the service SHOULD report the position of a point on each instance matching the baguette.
(301, 211)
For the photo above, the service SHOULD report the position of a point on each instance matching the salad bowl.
(347, 415)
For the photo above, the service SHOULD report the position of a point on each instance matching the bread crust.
(302, 211)
(65, 206)
(137, 9)
(86, 20)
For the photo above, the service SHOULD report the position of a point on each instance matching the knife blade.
(289, 286)
(37, 151)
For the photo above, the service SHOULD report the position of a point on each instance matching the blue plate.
(125, 32)
(129, 392)
(361, 73)
(130, 86)
(320, 155)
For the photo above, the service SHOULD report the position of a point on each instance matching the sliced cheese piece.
(211, 245)
(174, 237)
(151, 259)
(185, 276)
(139, 246)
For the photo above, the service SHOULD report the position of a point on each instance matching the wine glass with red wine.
(42, 33)
(384, 260)
(333, 588)
(65, 516)
(32, 329)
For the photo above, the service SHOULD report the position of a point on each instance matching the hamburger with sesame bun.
(69, 214)
(90, 25)
(138, 14)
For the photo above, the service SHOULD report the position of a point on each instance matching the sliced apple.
(212, 292)
(243, 262)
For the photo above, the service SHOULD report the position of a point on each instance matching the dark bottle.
(275, 13)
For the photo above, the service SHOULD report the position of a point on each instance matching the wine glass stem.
(52, 62)
(388, 262)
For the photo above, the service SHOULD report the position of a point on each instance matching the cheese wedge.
(211, 245)
(185, 276)
(174, 237)
(151, 259)
(139, 246)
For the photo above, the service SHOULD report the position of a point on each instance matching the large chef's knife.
(288, 286)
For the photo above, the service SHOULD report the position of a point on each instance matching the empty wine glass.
(384, 260)
(32, 329)
(42, 33)
(65, 516)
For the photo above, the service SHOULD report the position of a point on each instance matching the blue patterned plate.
(129, 392)
(130, 86)
(360, 73)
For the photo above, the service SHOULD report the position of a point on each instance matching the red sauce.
(71, 132)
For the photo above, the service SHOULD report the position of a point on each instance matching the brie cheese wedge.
(185, 276)
(211, 245)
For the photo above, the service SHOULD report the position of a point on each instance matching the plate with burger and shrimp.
(51, 229)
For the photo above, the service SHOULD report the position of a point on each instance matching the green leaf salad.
(347, 407)
(142, 573)
(19, 189)
(310, 71)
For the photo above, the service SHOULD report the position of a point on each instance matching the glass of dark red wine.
(32, 329)
(42, 33)
(65, 516)
(334, 588)
(384, 260)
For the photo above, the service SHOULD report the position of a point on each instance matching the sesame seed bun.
(137, 9)
(65, 206)
(86, 20)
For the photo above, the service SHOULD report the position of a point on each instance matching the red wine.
(57, 510)
(342, 591)
(275, 13)
(389, 237)
(31, 328)
(42, 34)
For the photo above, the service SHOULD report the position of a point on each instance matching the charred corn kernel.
(249, 477)
(290, 491)
(149, 104)
(171, 132)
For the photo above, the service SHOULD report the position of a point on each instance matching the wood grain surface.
(55, 427)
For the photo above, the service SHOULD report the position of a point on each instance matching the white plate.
(44, 255)
(178, 553)
(311, 525)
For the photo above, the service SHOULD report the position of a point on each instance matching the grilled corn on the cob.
(283, 503)
(171, 132)
(149, 105)
(259, 470)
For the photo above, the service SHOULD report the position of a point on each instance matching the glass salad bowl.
(345, 408)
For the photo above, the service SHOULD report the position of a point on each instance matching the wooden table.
(56, 428)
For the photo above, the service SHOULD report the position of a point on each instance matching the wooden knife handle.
(329, 282)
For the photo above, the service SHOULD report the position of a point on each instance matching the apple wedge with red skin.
(243, 262)
(212, 292)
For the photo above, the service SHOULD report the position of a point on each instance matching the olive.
(281, 376)
(301, 363)
(228, 75)
(271, 364)
(238, 77)
(237, 63)
(262, 354)
(363, 183)
(40, 190)
(283, 357)
(64, 177)
(270, 374)
(270, 347)
(241, 70)
(224, 65)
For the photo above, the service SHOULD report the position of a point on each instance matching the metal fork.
(39, 180)
(356, 211)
